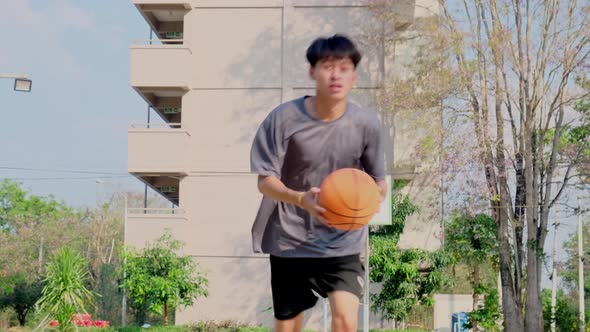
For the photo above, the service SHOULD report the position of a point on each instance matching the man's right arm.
(274, 188)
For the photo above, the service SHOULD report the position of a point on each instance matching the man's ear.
(312, 73)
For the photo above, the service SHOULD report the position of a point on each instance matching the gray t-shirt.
(301, 151)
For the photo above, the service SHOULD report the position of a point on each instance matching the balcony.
(148, 224)
(165, 17)
(160, 75)
(160, 66)
(157, 148)
(166, 184)
(157, 156)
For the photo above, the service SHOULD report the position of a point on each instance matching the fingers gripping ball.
(351, 198)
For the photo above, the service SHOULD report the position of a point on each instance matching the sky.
(76, 117)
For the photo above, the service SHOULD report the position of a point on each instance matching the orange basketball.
(351, 198)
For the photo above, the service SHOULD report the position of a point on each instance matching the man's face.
(334, 77)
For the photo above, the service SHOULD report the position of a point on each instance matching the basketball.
(351, 198)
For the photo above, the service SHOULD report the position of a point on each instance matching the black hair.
(337, 46)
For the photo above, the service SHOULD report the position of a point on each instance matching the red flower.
(82, 319)
(54, 323)
(101, 323)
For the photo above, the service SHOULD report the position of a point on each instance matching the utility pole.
(581, 269)
(554, 275)
(124, 299)
(367, 295)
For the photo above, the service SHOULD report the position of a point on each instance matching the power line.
(66, 178)
(57, 170)
(461, 169)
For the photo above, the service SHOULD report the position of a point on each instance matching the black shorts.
(293, 279)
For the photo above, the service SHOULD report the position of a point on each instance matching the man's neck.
(325, 109)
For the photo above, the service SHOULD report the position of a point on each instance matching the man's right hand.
(308, 201)
(272, 187)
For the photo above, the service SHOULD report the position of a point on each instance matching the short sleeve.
(373, 157)
(267, 152)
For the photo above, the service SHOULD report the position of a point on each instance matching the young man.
(296, 147)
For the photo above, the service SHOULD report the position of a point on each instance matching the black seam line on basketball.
(343, 215)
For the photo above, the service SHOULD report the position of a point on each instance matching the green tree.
(569, 268)
(25, 223)
(408, 277)
(21, 296)
(574, 142)
(503, 73)
(576, 137)
(65, 292)
(159, 280)
(471, 240)
(566, 311)
(30, 226)
(486, 315)
(17, 204)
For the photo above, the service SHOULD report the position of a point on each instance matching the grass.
(185, 328)
(406, 330)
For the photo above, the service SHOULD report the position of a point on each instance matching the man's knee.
(343, 321)
(294, 324)
(344, 306)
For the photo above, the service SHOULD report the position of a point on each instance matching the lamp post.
(21, 82)
(99, 182)
(581, 262)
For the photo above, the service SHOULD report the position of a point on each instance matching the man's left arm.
(373, 157)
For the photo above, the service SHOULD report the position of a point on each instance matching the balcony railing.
(155, 211)
(172, 125)
(160, 43)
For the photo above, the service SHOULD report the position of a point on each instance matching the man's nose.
(335, 75)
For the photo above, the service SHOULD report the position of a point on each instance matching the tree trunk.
(513, 320)
(22, 317)
(519, 204)
(166, 322)
(534, 308)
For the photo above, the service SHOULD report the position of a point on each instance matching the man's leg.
(291, 292)
(294, 324)
(344, 306)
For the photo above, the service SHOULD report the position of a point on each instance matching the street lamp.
(22, 85)
(21, 82)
